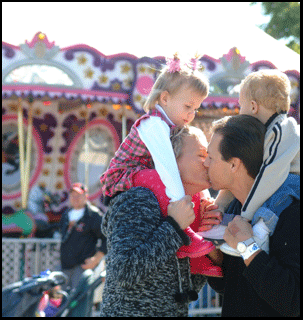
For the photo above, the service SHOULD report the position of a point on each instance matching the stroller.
(21, 298)
(24, 298)
(79, 302)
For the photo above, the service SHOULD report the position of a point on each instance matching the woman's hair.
(178, 134)
(173, 81)
(269, 88)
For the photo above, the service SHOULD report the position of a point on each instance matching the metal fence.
(207, 305)
(27, 257)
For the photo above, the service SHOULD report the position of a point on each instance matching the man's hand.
(209, 216)
(237, 230)
(182, 211)
(92, 262)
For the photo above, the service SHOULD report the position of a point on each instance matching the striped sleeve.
(282, 144)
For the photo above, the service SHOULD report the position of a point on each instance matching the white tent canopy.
(149, 29)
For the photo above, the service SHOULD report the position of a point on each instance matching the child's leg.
(150, 179)
(207, 265)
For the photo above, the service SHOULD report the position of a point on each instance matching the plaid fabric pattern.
(131, 157)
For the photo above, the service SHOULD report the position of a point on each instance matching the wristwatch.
(247, 248)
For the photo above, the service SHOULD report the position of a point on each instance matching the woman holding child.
(143, 271)
(157, 262)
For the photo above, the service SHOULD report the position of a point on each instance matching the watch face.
(241, 247)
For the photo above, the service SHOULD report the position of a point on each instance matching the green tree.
(284, 22)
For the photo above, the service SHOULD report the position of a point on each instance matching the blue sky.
(149, 28)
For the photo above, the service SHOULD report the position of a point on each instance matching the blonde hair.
(178, 134)
(269, 88)
(172, 82)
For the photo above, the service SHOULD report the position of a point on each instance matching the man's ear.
(164, 96)
(254, 107)
(235, 164)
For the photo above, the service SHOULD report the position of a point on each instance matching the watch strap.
(251, 249)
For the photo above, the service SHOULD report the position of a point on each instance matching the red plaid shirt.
(131, 157)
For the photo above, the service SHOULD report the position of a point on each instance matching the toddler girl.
(174, 99)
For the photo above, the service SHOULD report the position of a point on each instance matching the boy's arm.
(223, 199)
(154, 133)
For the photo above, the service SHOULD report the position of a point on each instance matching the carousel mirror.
(39, 74)
(91, 157)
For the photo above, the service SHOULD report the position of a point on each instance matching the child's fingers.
(213, 214)
(211, 207)
(210, 221)
(204, 228)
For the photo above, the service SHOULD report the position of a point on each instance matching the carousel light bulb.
(41, 36)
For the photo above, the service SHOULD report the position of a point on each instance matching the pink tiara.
(173, 64)
(194, 63)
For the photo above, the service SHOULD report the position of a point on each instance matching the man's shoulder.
(91, 209)
(290, 217)
(284, 243)
(66, 211)
(292, 211)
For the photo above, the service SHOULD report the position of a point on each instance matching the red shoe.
(198, 247)
(203, 265)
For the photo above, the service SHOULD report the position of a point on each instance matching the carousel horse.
(38, 219)
(18, 224)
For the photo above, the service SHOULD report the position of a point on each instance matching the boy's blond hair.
(172, 82)
(269, 88)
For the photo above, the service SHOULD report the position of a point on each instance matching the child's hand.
(209, 215)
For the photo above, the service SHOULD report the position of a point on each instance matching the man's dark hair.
(243, 138)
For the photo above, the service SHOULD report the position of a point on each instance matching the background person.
(80, 227)
(257, 283)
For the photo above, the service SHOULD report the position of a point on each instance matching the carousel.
(65, 112)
